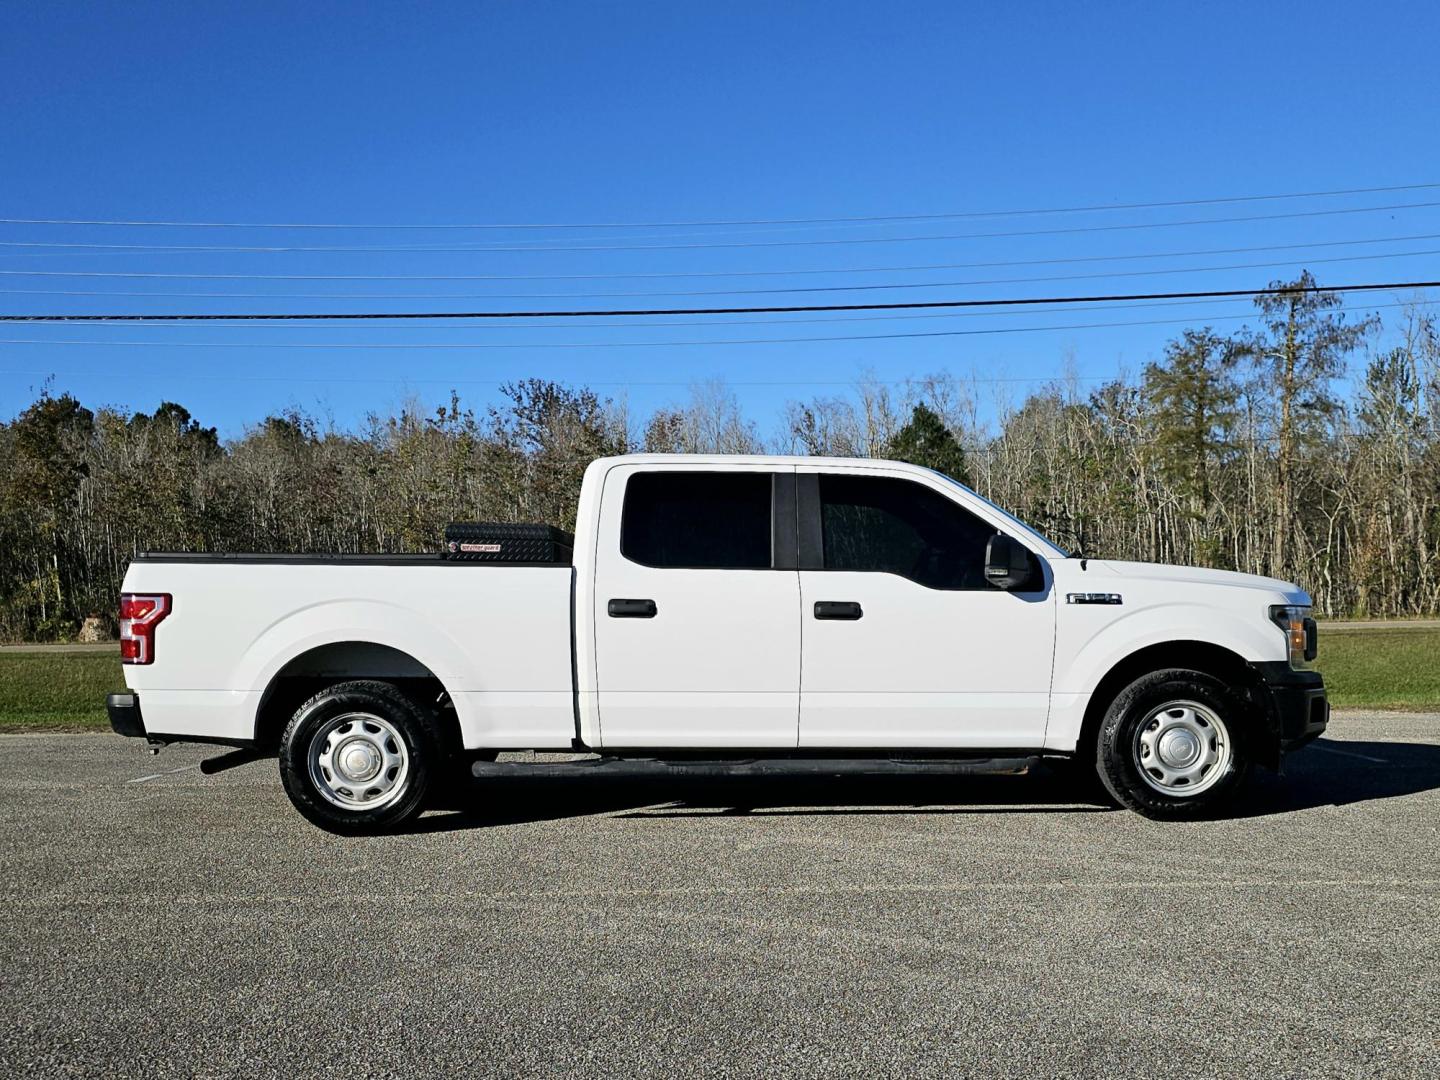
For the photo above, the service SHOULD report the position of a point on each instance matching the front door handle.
(632, 609)
(837, 609)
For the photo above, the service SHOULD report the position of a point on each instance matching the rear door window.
(698, 520)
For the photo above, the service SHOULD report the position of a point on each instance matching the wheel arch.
(310, 670)
(1203, 656)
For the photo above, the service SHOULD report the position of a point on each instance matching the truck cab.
(859, 614)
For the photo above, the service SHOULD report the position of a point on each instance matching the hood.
(1198, 575)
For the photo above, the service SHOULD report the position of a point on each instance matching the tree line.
(1305, 447)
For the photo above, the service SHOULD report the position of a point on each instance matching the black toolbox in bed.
(502, 542)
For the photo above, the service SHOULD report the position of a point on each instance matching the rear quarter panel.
(497, 637)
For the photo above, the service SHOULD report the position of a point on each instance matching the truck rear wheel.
(1172, 745)
(359, 757)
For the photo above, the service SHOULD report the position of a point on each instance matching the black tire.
(395, 719)
(1119, 748)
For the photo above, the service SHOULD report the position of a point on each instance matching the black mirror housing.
(1009, 564)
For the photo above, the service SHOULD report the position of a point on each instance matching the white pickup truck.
(733, 614)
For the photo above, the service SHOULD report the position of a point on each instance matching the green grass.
(1387, 668)
(57, 691)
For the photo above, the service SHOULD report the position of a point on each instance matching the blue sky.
(476, 113)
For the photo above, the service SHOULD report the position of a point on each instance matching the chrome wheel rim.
(1182, 749)
(358, 761)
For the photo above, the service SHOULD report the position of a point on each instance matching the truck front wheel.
(1172, 745)
(359, 757)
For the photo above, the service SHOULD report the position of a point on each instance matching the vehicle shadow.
(1333, 772)
(1327, 773)
(530, 798)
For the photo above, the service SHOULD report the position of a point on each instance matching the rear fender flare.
(339, 621)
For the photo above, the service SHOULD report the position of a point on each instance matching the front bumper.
(125, 718)
(1298, 705)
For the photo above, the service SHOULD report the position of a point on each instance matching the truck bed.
(496, 636)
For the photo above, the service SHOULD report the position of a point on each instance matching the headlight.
(1299, 630)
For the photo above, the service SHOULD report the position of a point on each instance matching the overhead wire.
(772, 309)
(667, 274)
(875, 287)
(986, 380)
(447, 345)
(950, 215)
(717, 322)
(533, 248)
(790, 290)
(565, 277)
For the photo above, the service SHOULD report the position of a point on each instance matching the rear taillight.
(140, 613)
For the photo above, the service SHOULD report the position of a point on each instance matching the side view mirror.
(1009, 564)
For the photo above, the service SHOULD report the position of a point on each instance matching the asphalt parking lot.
(158, 922)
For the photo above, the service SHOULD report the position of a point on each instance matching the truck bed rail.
(324, 558)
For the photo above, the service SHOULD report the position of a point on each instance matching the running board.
(645, 768)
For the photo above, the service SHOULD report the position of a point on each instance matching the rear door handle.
(632, 609)
(837, 609)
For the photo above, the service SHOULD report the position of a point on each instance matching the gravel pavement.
(158, 922)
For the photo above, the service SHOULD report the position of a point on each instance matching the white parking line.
(156, 776)
(1347, 753)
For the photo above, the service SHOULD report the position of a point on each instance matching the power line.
(668, 274)
(884, 286)
(141, 274)
(891, 286)
(725, 222)
(617, 275)
(588, 382)
(771, 310)
(718, 292)
(720, 322)
(447, 345)
(512, 249)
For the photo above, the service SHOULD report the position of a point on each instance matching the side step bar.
(647, 768)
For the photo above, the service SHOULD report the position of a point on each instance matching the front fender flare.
(1161, 624)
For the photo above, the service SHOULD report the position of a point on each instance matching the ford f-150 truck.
(731, 613)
